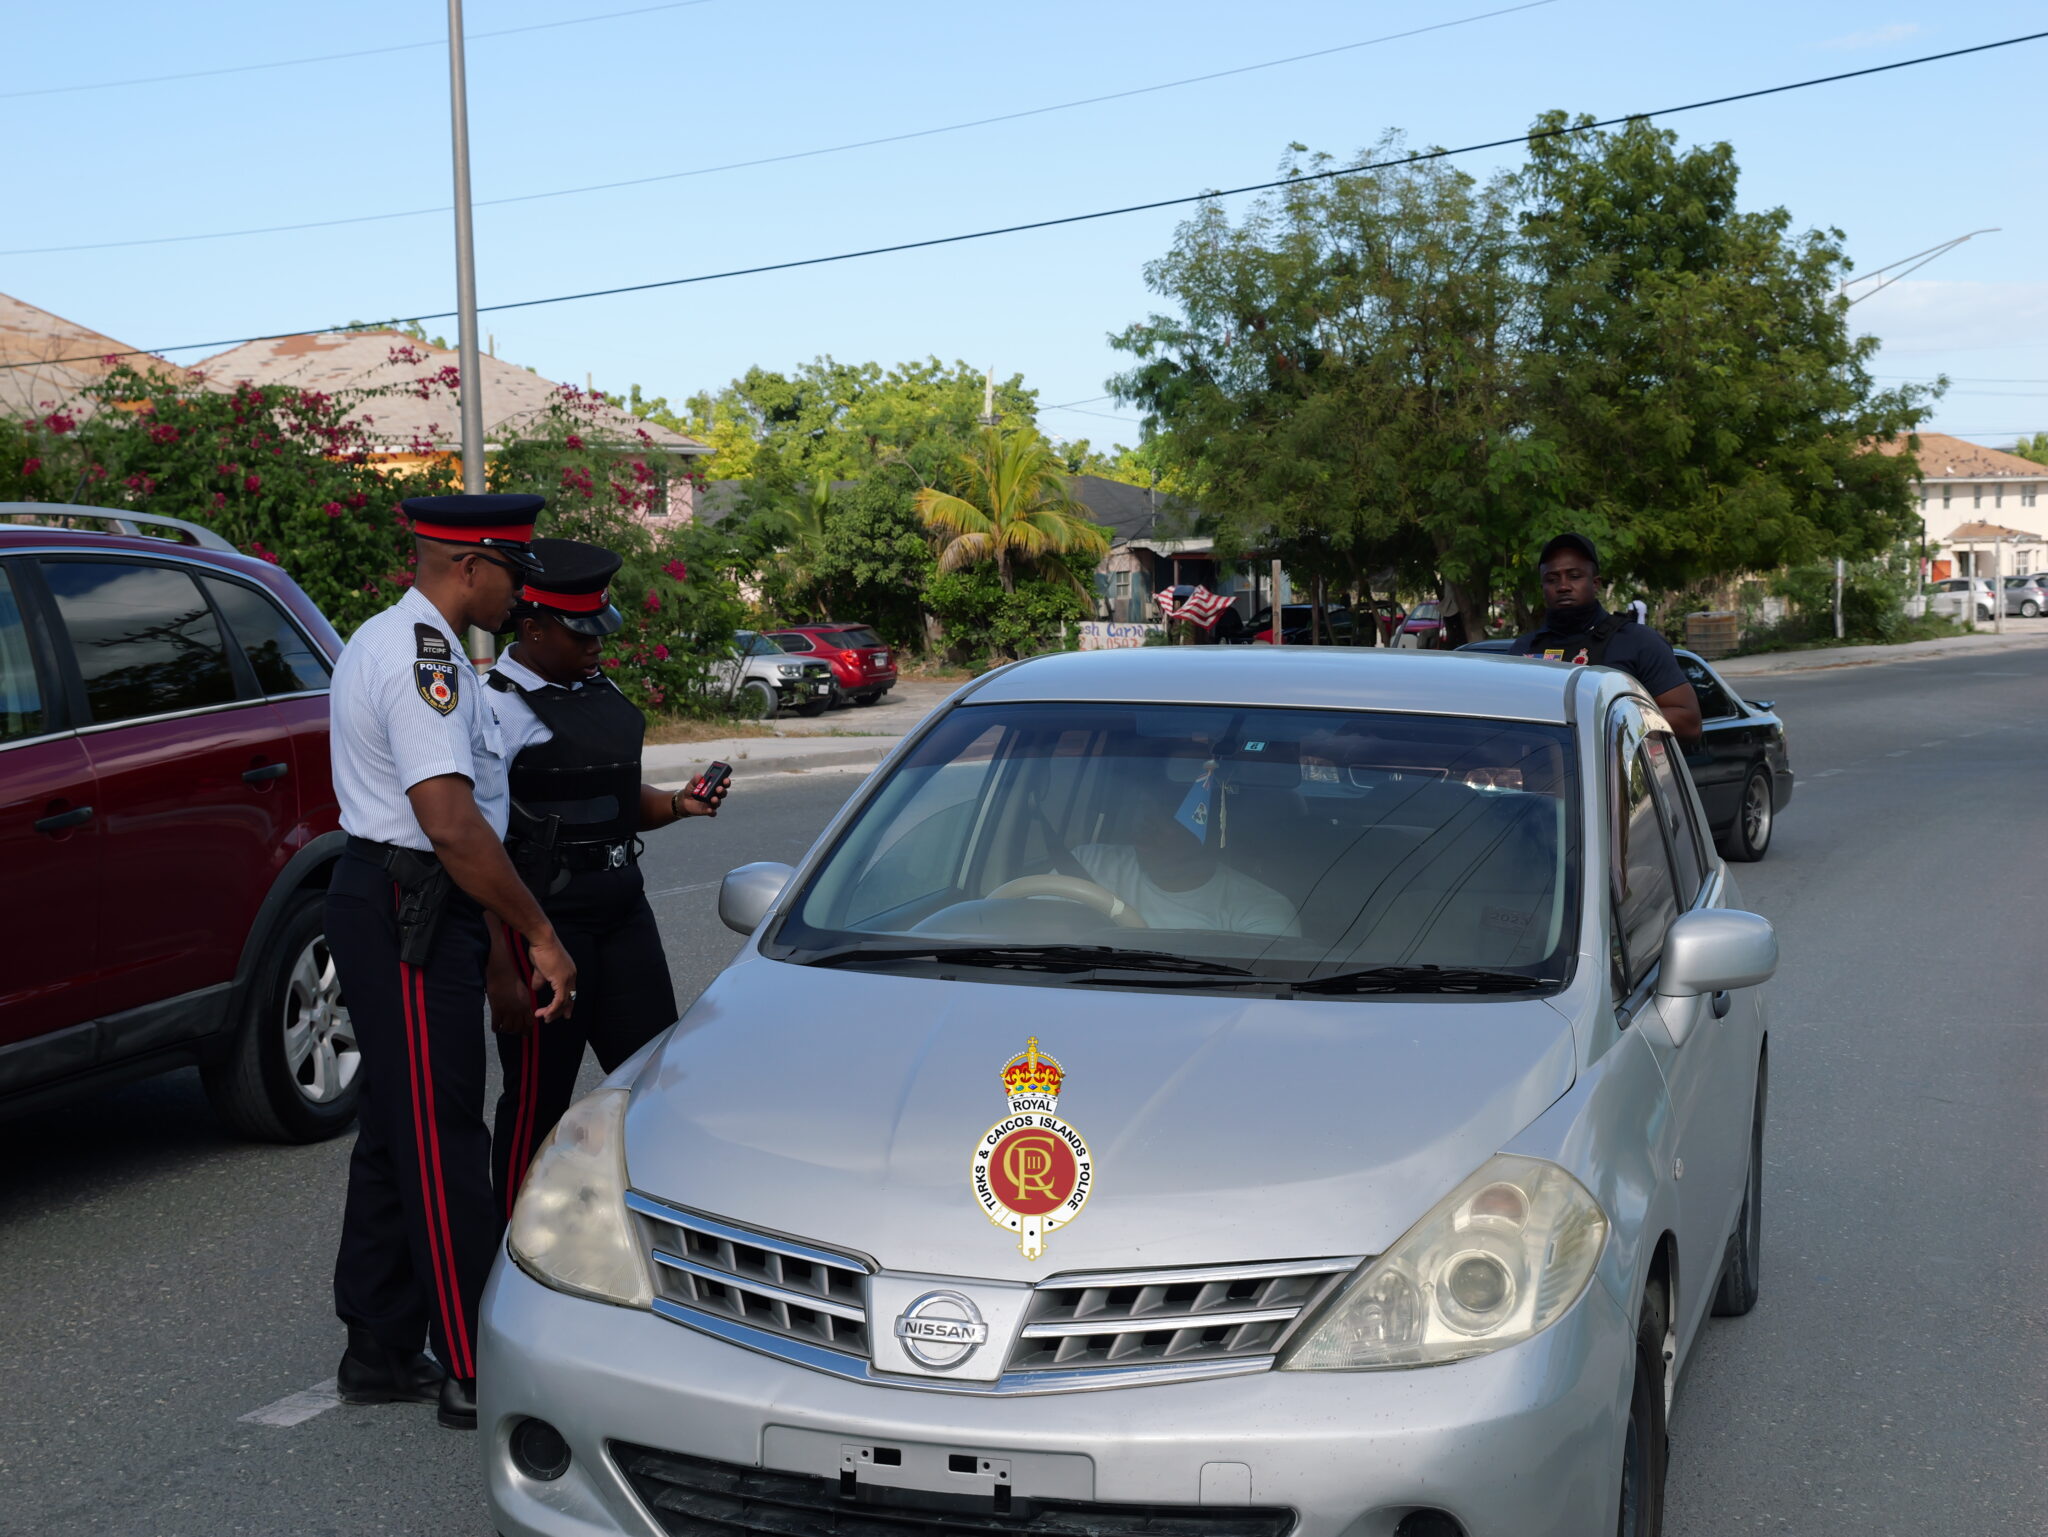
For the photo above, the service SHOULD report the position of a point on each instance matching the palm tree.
(798, 520)
(1012, 504)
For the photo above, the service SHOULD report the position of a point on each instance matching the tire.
(1742, 1268)
(868, 699)
(1756, 815)
(293, 1073)
(2030, 610)
(1645, 1445)
(814, 709)
(757, 700)
(1983, 614)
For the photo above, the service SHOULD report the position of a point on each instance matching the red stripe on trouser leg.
(458, 1337)
(520, 1154)
(444, 1288)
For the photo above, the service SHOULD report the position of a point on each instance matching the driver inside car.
(1173, 873)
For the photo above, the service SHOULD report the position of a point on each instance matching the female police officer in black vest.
(573, 741)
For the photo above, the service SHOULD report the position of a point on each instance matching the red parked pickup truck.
(166, 822)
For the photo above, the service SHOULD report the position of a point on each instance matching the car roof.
(1297, 677)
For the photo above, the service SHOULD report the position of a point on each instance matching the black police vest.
(1588, 646)
(588, 772)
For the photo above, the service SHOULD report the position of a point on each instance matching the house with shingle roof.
(1973, 500)
(419, 419)
(48, 360)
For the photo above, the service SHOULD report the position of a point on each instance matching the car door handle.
(1723, 1002)
(77, 816)
(268, 771)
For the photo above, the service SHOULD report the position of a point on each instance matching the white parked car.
(762, 672)
(1946, 597)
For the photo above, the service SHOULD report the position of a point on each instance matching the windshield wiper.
(1060, 958)
(1424, 979)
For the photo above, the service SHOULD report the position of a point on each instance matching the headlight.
(1498, 1259)
(570, 1229)
(790, 672)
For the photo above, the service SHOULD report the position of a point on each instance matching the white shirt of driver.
(1227, 902)
(393, 724)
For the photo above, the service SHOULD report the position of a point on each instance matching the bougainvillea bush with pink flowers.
(297, 477)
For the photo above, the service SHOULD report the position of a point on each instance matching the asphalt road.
(158, 1280)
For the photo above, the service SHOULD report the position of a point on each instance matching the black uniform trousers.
(624, 999)
(420, 1228)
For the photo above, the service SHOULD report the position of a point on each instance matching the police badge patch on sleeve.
(435, 673)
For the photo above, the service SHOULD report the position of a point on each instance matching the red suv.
(166, 823)
(862, 668)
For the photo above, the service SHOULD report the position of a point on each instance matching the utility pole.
(988, 417)
(482, 647)
(1838, 597)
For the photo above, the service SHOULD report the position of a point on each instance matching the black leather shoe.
(374, 1373)
(458, 1403)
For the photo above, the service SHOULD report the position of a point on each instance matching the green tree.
(2034, 448)
(1007, 502)
(875, 560)
(1692, 363)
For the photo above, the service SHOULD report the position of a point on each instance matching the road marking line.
(1824, 773)
(1942, 743)
(1900, 753)
(676, 891)
(296, 1408)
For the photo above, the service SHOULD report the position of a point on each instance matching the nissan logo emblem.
(941, 1329)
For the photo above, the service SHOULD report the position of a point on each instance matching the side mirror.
(1707, 952)
(746, 894)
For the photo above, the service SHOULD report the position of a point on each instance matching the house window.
(2027, 496)
(1976, 496)
(1945, 490)
(1123, 584)
(1998, 496)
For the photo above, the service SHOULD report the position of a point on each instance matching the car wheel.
(866, 699)
(2030, 610)
(1983, 614)
(1742, 1270)
(757, 700)
(1645, 1447)
(1750, 838)
(293, 1073)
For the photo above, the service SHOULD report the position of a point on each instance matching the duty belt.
(598, 856)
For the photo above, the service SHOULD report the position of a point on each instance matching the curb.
(672, 764)
(1834, 658)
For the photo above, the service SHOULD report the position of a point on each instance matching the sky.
(632, 89)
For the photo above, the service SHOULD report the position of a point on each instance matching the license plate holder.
(930, 1468)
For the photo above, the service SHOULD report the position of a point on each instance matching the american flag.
(1201, 607)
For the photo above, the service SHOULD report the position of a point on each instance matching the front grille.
(693, 1497)
(770, 1283)
(1136, 1318)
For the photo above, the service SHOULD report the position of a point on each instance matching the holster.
(533, 843)
(424, 889)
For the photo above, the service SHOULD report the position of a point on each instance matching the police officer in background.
(420, 775)
(573, 742)
(1577, 629)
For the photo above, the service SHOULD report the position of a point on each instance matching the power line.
(801, 154)
(1415, 158)
(329, 58)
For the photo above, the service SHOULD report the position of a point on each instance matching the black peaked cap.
(574, 570)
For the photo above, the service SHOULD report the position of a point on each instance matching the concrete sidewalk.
(1871, 656)
(672, 764)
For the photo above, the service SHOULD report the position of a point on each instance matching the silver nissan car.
(1329, 1105)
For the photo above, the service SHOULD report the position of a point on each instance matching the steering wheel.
(1072, 888)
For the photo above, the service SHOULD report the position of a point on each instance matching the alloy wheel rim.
(1756, 814)
(320, 1049)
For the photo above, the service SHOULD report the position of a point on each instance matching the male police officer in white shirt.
(419, 771)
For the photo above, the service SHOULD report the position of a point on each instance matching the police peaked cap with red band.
(503, 524)
(572, 588)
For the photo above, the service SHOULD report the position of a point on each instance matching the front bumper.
(1525, 1442)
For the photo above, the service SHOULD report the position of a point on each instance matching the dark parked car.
(167, 826)
(863, 668)
(1342, 627)
(1740, 767)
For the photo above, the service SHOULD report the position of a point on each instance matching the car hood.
(844, 1108)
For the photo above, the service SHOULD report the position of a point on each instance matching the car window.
(856, 638)
(283, 660)
(1291, 842)
(794, 642)
(1648, 899)
(21, 700)
(145, 640)
(1716, 703)
(1675, 808)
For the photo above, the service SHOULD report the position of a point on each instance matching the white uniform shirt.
(518, 724)
(406, 706)
(1226, 902)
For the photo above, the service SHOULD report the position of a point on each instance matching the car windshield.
(1423, 611)
(1076, 842)
(851, 638)
(747, 643)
